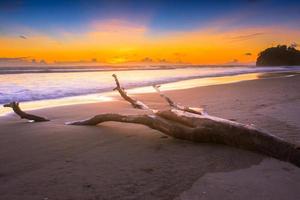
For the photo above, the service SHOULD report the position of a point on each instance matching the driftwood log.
(195, 125)
(16, 108)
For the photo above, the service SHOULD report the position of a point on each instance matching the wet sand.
(124, 161)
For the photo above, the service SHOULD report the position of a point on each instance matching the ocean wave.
(31, 87)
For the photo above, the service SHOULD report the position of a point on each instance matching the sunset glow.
(124, 36)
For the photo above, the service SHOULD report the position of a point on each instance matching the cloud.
(147, 59)
(13, 59)
(8, 61)
(43, 62)
(22, 37)
(75, 62)
(20, 61)
(233, 62)
(248, 54)
(163, 60)
(179, 54)
(245, 37)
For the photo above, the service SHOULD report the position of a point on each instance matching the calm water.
(25, 86)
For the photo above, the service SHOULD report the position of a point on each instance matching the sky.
(83, 32)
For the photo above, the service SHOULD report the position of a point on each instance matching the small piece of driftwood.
(172, 104)
(135, 103)
(16, 108)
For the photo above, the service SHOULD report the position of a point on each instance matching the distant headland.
(282, 55)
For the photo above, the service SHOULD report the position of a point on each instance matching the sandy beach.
(50, 160)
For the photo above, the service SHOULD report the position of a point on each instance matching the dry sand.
(124, 161)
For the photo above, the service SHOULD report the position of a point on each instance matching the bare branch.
(135, 103)
(15, 106)
(172, 104)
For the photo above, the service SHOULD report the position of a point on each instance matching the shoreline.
(168, 86)
(51, 69)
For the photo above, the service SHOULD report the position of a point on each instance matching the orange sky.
(117, 41)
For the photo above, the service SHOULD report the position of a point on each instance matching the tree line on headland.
(281, 55)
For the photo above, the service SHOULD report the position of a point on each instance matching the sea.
(32, 84)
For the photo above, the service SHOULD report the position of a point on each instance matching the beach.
(51, 160)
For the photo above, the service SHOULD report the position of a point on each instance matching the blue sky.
(160, 16)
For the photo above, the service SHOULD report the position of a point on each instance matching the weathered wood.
(135, 103)
(206, 129)
(172, 104)
(16, 108)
